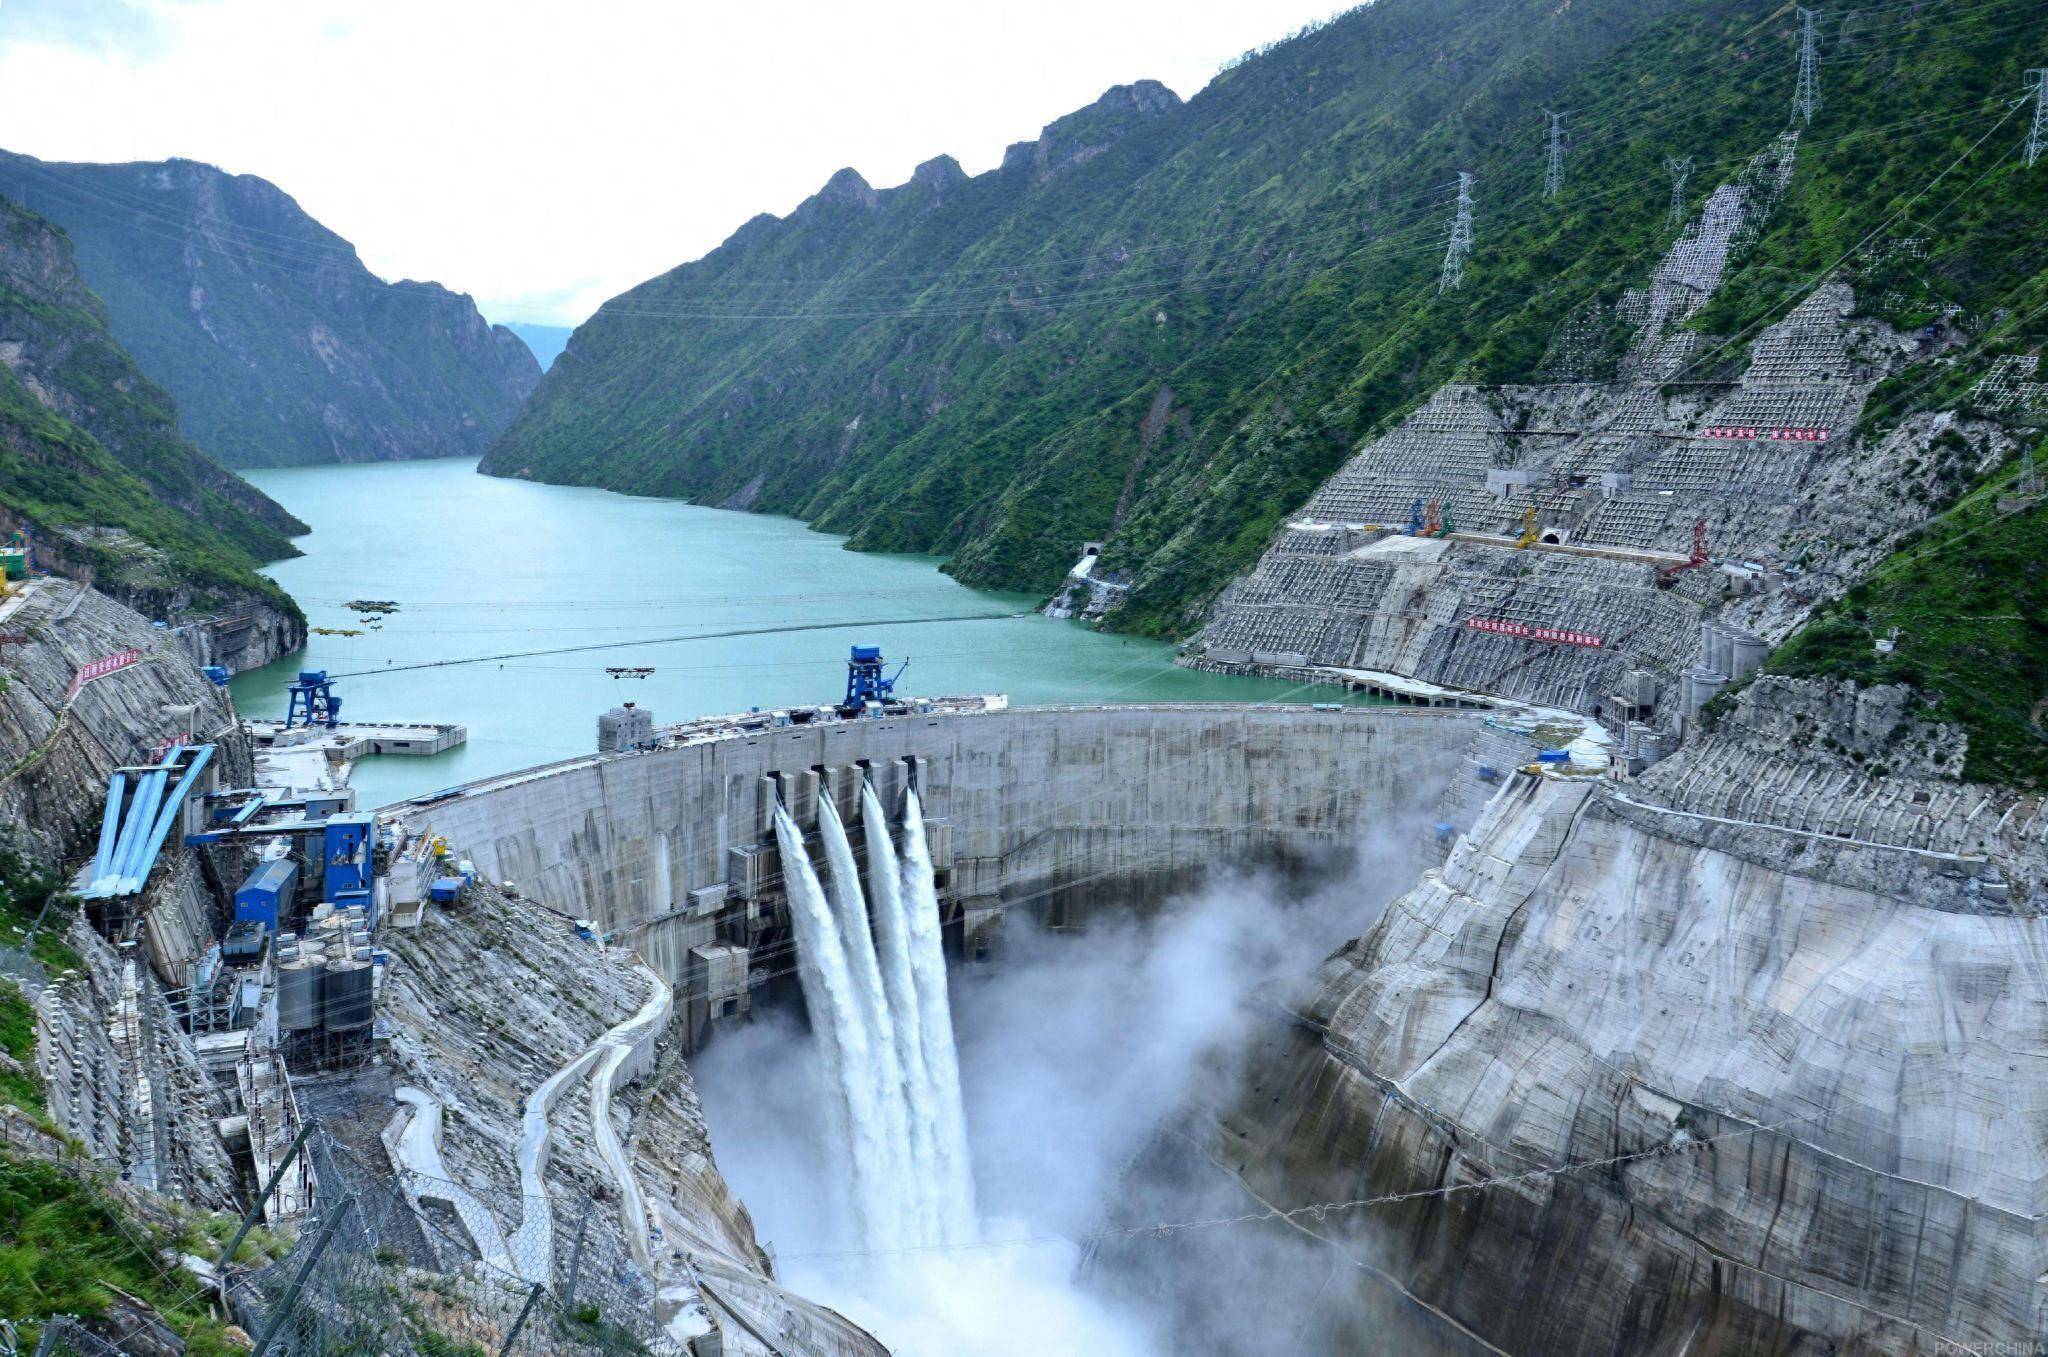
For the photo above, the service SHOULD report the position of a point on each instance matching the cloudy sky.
(544, 156)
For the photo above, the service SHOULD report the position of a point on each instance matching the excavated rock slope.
(1734, 1107)
(1608, 473)
(57, 746)
(488, 1000)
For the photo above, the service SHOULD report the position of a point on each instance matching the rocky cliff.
(1691, 1065)
(498, 1000)
(96, 467)
(480, 1009)
(278, 344)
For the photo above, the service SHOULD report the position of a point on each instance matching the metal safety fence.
(370, 1274)
(380, 1268)
(64, 1336)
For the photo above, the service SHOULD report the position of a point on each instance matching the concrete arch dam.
(1060, 810)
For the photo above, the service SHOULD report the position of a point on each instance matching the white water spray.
(896, 1167)
(892, 949)
(935, 1026)
(842, 1034)
(878, 1004)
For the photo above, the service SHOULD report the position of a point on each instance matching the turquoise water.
(483, 566)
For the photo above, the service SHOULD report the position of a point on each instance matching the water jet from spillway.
(878, 1003)
(920, 902)
(828, 989)
(894, 1212)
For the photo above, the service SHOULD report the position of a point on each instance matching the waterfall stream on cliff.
(877, 998)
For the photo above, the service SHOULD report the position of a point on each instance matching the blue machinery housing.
(340, 848)
(143, 803)
(347, 855)
(268, 894)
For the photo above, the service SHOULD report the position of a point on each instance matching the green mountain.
(280, 347)
(91, 457)
(1161, 325)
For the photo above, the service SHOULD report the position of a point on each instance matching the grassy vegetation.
(65, 1243)
(1966, 604)
(56, 475)
(18, 1039)
(28, 891)
(30, 896)
(976, 367)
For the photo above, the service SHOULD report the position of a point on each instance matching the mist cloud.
(1073, 1048)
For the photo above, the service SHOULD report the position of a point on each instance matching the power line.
(692, 636)
(1553, 170)
(2037, 131)
(915, 305)
(1796, 291)
(1680, 169)
(1318, 1210)
(302, 251)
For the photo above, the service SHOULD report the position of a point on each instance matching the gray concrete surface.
(1062, 810)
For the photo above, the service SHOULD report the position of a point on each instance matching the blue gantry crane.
(311, 701)
(865, 681)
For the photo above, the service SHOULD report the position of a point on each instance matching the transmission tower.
(1461, 238)
(1807, 98)
(1680, 169)
(2037, 132)
(1553, 172)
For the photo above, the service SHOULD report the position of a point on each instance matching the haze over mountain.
(280, 347)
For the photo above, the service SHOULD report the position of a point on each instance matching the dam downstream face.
(1076, 1049)
(1097, 865)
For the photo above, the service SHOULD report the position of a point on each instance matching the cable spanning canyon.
(876, 992)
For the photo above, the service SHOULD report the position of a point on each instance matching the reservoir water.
(481, 566)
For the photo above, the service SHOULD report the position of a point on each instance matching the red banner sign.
(1744, 432)
(100, 668)
(1557, 635)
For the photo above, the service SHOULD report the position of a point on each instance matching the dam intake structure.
(876, 994)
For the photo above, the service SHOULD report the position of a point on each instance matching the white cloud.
(544, 156)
